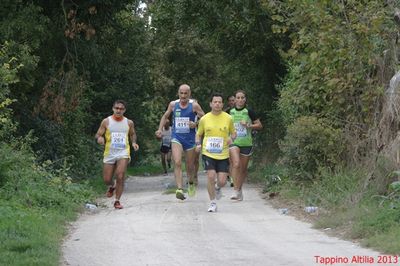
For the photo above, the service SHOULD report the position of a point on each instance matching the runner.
(217, 130)
(166, 146)
(245, 120)
(183, 113)
(231, 103)
(115, 132)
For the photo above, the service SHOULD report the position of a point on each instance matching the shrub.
(311, 143)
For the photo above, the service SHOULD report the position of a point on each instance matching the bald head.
(184, 86)
(184, 93)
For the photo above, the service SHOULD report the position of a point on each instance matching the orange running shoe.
(117, 205)
(110, 192)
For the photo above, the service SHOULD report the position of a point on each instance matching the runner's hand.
(135, 146)
(198, 148)
(192, 124)
(100, 140)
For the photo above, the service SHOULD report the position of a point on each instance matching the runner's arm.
(232, 132)
(132, 135)
(199, 136)
(100, 132)
(163, 118)
(255, 121)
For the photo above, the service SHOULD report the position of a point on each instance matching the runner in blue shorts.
(183, 113)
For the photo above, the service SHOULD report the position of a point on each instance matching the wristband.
(198, 143)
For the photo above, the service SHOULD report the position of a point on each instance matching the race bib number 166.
(214, 144)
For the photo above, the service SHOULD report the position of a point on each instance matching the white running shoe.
(238, 195)
(218, 193)
(213, 207)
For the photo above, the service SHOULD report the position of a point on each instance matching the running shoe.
(218, 192)
(213, 207)
(110, 192)
(238, 195)
(117, 205)
(191, 190)
(179, 194)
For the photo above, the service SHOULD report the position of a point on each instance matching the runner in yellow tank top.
(217, 130)
(115, 132)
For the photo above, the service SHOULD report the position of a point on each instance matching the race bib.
(118, 140)
(214, 144)
(182, 125)
(240, 130)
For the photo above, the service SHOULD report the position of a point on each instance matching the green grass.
(387, 242)
(30, 236)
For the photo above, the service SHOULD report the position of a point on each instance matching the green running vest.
(244, 138)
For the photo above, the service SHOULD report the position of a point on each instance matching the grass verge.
(345, 207)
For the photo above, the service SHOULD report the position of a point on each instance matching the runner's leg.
(234, 158)
(164, 165)
(108, 170)
(177, 159)
(244, 161)
(211, 174)
(190, 168)
(120, 171)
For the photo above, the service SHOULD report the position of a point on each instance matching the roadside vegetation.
(323, 77)
(345, 208)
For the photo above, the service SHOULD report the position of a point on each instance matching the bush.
(32, 185)
(310, 144)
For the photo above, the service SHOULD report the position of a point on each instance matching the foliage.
(33, 185)
(331, 45)
(310, 143)
(219, 46)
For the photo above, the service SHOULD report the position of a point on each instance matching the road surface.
(154, 228)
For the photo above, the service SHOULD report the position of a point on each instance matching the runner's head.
(231, 101)
(217, 102)
(184, 93)
(240, 99)
(119, 108)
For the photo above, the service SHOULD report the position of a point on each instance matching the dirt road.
(157, 229)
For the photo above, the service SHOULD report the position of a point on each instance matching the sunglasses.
(119, 108)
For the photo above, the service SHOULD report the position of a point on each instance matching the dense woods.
(326, 65)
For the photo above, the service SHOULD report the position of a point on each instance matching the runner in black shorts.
(216, 131)
(245, 120)
(166, 146)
